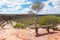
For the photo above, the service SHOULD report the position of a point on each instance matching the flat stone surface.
(22, 34)
(27, 34)
(55, 36)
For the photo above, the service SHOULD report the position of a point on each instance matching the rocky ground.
(22, 34)
(27, 34)
(55, 36)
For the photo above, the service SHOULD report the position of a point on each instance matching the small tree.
(37, 6)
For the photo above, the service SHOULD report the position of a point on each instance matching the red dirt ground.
(28, 34)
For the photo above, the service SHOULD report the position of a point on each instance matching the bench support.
(48, 29)
(36, 31)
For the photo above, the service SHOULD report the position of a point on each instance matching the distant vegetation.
(30, 19)
(43, 20)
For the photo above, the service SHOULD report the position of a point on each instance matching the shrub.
(18, 25)
(51, 19)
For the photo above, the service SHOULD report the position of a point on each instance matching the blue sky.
(23, 6)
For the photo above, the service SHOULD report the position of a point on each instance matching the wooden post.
(37, 22)
(36, 31)
(48, 29)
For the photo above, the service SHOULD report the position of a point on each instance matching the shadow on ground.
(45, 34)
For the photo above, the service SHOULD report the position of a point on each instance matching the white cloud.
(15, 2)
(25, 10)
(51, 10)
(46, 6)
(14, 6)
(56, 3)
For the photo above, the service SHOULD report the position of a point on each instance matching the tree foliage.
(47, 20)
(37, 6)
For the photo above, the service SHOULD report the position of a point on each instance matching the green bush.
(51, 19)
(18, 25)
